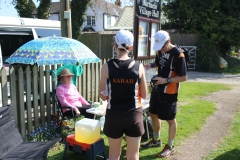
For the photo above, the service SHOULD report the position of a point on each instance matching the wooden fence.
(29, 91)
(102, 44)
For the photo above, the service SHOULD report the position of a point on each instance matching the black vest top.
(123, 85)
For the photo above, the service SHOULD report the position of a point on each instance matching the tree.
(216, 22)
(24, 7)
(43, 10)
(78, 9)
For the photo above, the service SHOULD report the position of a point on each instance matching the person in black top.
(123, 84)
(172, 69)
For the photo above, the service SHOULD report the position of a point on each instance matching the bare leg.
(156, 123)
(133, 144)
(114, 148)
(172, 129)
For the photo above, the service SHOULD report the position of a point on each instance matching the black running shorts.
(128, 122)
(163, 105)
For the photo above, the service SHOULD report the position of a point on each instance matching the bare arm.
(143, 84)
(103, 81)
(175, 79)
(150, 65)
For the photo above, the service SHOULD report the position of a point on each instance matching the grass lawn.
(192, 114)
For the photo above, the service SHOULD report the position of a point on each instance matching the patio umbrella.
(53, 50)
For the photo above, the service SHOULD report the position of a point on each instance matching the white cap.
(160, 38)
(124, 37)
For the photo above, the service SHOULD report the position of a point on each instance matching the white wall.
(95, 11)
(100, 18)
(54, 17)
(113, 21)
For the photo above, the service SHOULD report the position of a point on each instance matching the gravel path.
(217, 125)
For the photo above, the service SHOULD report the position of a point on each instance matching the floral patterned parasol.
(53, 50)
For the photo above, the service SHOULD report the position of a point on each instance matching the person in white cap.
(172, 69)
(123, 83)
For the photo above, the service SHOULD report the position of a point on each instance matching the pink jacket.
(69, 96)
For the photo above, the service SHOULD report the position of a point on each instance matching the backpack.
(185, 52)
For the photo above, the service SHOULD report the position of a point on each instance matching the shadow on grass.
(230, 155)
(70, 155)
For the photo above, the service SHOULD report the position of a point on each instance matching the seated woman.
(68, 95)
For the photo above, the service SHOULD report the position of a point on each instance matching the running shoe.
(152, 143)
(166, 152)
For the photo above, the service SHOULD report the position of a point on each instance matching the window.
(143, 38)
(144, 44)
(154, 31)
(91, 20)
(108, 20)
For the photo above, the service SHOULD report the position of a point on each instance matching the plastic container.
(150, 73)
(96, 104)
(102, 121)
(87, 130)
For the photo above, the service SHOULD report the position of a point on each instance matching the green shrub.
(207, 57)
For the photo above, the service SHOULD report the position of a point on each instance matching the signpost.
(147, 15)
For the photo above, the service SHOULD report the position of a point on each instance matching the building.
(99, 16)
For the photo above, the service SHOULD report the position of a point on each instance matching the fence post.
(21, 106)
(4, 87)
(28, 98)
(35, 95)
(13, 91)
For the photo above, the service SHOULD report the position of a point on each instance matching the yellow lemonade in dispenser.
(87, 130)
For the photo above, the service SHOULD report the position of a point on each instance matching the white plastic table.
(96, 111)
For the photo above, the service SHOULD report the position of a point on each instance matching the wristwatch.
(169, 80)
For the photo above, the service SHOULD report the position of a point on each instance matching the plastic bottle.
(87, 130)
(102, 121)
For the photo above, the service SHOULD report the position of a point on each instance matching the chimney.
(119, 3)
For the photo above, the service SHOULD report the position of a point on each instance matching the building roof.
(88, 29)
(106, 7)
(55, 8)
(125, 21)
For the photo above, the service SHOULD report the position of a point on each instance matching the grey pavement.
(194, 76)
(213, 77)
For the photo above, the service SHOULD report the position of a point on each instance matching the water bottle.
(102, 121)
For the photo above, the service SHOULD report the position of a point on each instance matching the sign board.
(146, 24)
(149, 8)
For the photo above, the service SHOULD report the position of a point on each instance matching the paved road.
(213, 77)
(197, 145)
